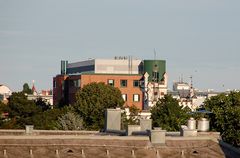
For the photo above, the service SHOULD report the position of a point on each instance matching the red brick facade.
(129, 90)
(58, 89)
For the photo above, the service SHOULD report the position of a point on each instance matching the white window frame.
(136, 97)
(109, 82)
(124, 96)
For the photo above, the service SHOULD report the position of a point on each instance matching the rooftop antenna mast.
(191, 80)
(154, 67)
(191, 87)
(155, 54)
(181, 78)
(154, 77)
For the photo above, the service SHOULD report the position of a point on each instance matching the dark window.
(54, 84)
(111, 82)
(135, 83)
(80, 69)
(1, 97)
(123, 83)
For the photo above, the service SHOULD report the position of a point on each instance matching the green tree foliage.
(3, 109)
(92, 101)
(132, 119)
(47, 120)
(21, 110)
(70, 121)
(41, 103)
(168, 115)
(26, 89)
(24, 112)
(226, 116)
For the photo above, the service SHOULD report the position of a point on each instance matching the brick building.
(127, 74)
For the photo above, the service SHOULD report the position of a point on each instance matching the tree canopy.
(25, 112)
(92, 101)
(226, 116)
(26, 89)
(168, 115)
(21, 110)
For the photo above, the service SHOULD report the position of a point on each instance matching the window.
(135, 83)
(155, 76)
(1, 97)
(54, 84)
(123, 83)
(124, 96)
(136, 97)
(111, 82)
(76, 83)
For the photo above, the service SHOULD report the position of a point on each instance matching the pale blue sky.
(195, 37)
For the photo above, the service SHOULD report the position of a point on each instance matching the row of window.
(124, 83)
(73, 83)
(136, 97)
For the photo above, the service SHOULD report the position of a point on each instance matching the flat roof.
(44, 143)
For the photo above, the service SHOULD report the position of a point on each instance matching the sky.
(199, 38)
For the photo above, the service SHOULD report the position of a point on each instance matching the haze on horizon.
(198, 38)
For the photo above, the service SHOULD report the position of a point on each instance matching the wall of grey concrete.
(112, 119)
(146, 124)
(133, 128)
(158, 136)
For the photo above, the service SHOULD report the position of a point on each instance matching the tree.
(226, 116)
(26, 89)
(40, 102)
(48, 119)
(92, 101)
(3, 113)
(3, 107)
(168, 115)
(70, 121)
(132, 119)
(21, 110)
(24, 112)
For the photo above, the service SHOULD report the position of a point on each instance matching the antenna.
(131, 65)
(155, 68)
(154, 50)
(191, 80)
(191, 87)
(181, 78)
